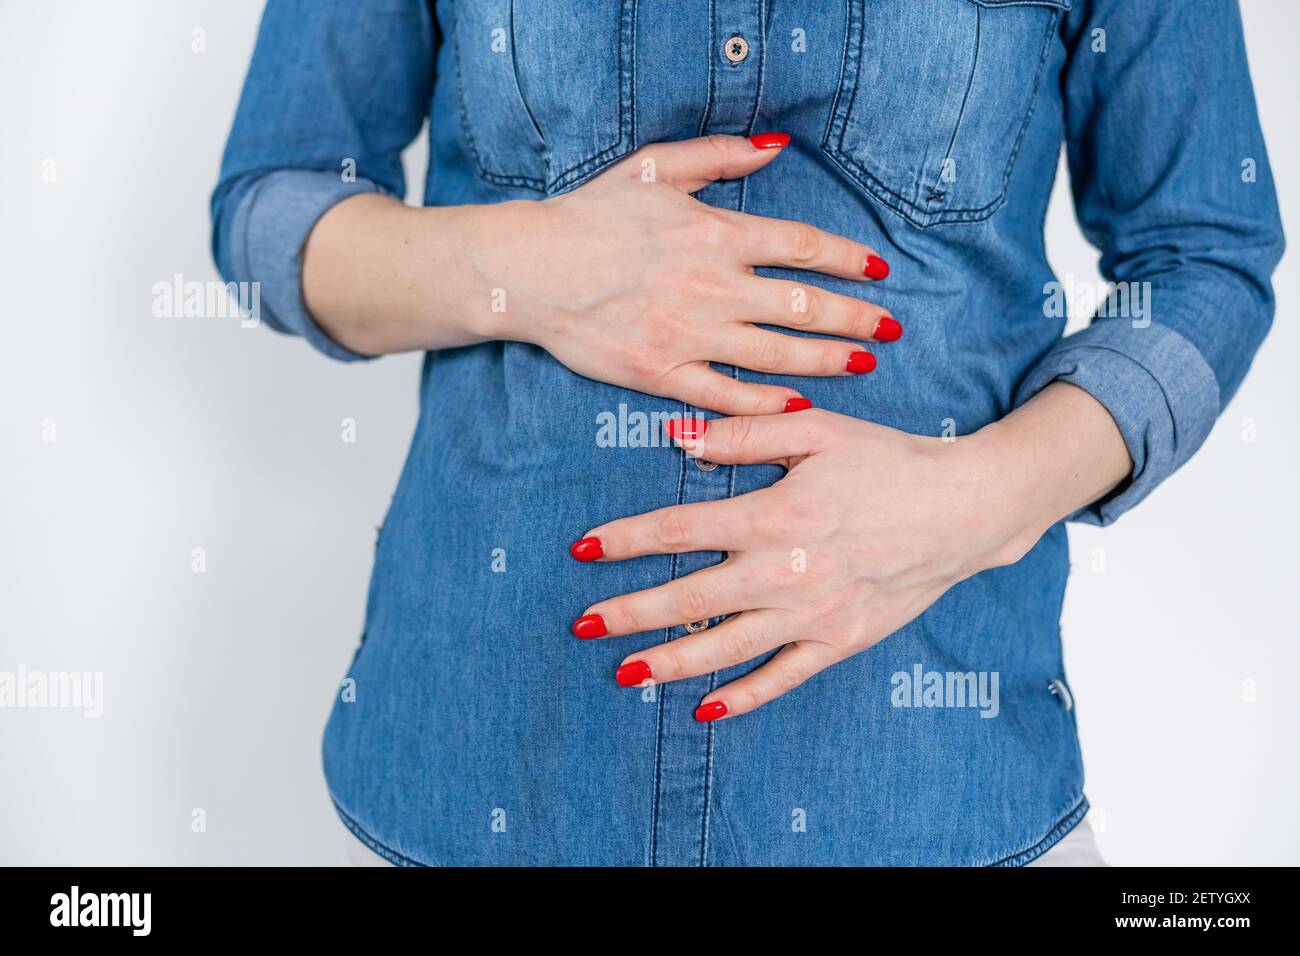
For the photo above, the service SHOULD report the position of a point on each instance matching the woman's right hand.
(629, 280)
(626, 279)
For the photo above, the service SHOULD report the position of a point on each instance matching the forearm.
(1057, 453)
(379, 276)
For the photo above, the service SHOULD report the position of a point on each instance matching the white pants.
(1076, 848)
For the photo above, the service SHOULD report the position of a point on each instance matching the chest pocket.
(935, 99)
(545, 88)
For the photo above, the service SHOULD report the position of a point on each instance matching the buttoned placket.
(685, 746)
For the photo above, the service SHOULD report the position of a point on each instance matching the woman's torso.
(480, 730)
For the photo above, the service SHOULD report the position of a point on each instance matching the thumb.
(691, 164)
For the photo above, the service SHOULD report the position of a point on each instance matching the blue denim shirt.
(473, 728)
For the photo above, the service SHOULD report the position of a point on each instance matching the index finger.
(731, 524)
(797, 245)
(752, 440)
(691, 164)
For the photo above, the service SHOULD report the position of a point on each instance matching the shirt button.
(696, 626)
(703, 465)
(735, 49)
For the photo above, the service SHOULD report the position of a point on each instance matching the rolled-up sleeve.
(334, 92)
(1172, 183)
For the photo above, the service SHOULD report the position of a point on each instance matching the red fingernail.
(686, 427)
(860, 363)
(632, 674)
(592, 625)
(770, 140)
(797, 404)
(876, 268)
(887, 330)
(710, 711)
(588, 549)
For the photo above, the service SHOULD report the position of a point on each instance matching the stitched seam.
(999, 4)
(658, 769)
(859, 28)
(708, 773)
(661, 688)
(575, 175)
(712, 728)
(731, 477)
(839, 118)
(631, 78)
(877, 184)
(582, 170)
(1054, 836)
(761, 39)
(374, 845)
(500, 179)
(965, 98)
(519, 90)
(1033, 102)
(713, 40)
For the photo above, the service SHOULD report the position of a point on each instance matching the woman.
(819, 625)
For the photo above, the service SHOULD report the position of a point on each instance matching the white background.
(175, 434)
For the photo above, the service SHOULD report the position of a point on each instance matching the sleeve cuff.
(1155, 384)
(271, 227)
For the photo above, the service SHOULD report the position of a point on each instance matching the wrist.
(1018, 511)
(481, 238)
(1058, 453)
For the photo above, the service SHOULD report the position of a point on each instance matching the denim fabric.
(481, 732)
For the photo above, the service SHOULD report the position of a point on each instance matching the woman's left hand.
(868, 528)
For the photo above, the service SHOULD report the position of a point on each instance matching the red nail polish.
(588, 549)
(710, 711)
(876, 268)
(887, 330)
(590, 626)
(797, 405)
(632, 674)
(688, 428)
(860, 363)
(770, 140)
